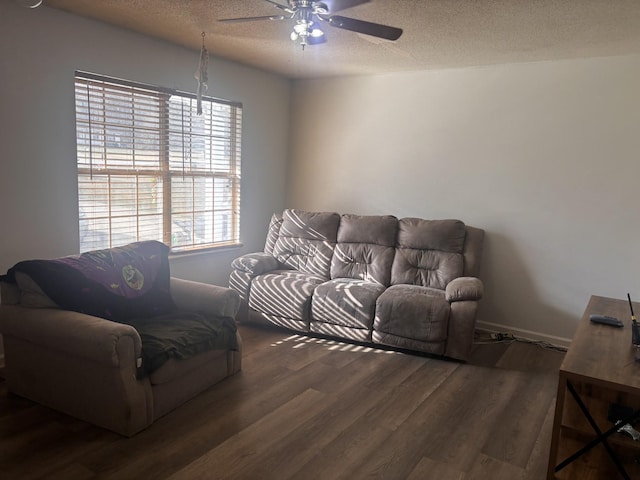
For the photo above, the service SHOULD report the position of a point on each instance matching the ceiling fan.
(309, 14)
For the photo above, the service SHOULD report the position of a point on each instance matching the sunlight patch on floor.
(300, 341)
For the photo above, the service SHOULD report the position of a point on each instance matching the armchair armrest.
(464, 288)
(96, 339)
(203, 297)
(256, 263)
(9, 293)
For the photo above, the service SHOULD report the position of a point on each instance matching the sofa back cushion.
(428, 252)
(365, 248)
(306, 241)
(273, 232)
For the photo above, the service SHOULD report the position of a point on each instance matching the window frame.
(214, 179)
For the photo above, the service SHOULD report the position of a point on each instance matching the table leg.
(601, 437)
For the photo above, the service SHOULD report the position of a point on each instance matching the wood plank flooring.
(306, 408)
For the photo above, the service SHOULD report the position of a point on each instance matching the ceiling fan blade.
(337, 5)
(368, 28)
(280, 6)
(251, 19)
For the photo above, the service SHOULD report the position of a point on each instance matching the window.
(151, 168)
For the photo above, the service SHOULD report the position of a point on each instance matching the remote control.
(606, 320)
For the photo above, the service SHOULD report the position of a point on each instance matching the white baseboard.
(518, 332)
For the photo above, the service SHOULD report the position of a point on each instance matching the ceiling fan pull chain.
(202, 76)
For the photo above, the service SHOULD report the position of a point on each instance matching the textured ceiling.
(437, 33)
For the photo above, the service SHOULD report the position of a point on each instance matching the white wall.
(544, 156)
(39, 51)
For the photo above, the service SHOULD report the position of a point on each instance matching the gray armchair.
(87, 367)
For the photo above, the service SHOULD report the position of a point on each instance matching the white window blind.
(150, 168)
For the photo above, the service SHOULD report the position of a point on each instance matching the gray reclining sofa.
(406, 283)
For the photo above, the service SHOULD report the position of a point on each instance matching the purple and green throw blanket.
(130, 284)
(116, 283)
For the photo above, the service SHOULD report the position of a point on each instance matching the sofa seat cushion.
(346, 302)
(284, 293)
(413, 312)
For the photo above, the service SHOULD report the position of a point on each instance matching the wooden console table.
(598, 370)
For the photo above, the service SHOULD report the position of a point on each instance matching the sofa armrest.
(203, 297)
(9, 293)
(74, 333)
(464, 289)
(256, 263)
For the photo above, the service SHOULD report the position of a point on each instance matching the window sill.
(205, 251)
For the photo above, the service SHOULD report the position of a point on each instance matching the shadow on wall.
(510, 291)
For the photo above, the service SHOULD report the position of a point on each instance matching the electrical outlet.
(502, 336)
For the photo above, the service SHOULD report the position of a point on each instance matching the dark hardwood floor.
(306, 408)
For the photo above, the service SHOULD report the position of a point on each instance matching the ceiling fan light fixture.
(301, 28)
(304, 29)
